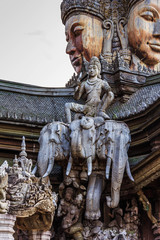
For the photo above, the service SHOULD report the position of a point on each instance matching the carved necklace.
(92, 83)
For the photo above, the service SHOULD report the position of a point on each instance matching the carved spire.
(15, 161)
(23, 148)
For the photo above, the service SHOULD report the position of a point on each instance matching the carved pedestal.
(39, 235)
(6, 226)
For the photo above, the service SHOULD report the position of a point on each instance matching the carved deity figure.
(117, 214)
(143, 30)
(70, 209)
(83, 30)
(93, 88)
(131, 217)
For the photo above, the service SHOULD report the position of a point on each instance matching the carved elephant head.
(54, 145)
(117, 144)
(83, 136)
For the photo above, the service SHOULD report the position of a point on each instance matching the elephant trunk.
(94, 191)
(113, 201)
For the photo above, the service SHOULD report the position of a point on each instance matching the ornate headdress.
(131, 3)
(95, 7)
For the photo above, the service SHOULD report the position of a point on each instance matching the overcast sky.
(32, 43)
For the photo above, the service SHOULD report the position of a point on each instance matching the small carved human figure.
(93, 87)
(70, 210)
(131, 215)
(117, 214)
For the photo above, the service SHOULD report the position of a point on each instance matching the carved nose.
(70, 49)
(156, 31)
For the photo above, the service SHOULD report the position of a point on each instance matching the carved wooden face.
(144, 31)
(68, 194)
(84, 35)
(93, 70)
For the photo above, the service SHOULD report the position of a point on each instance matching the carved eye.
(78, 30)
(148, 16)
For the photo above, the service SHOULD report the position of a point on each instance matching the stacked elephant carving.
(91, 140)
(92, 145)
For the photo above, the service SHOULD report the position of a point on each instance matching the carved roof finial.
(23, 148)
(15, 161)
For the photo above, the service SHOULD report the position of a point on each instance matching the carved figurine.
(70, 208)
(117, 215)
(131, 217)
(93, 87)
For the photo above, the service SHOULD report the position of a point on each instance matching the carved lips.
(155, 46)
(75, 60)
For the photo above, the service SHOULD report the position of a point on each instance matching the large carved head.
(143, 30)
(83, 28)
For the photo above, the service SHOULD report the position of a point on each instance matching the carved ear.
(108, 32)
(121, 29)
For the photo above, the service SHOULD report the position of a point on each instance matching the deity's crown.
(95, 7)
(131, 3)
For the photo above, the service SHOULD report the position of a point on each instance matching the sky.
(32, 43)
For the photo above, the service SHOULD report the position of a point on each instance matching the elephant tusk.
(50, 166)
(108, 166)
(69, 166)
(129, 171)
(34, 170)
(51, 161)
(89, 164)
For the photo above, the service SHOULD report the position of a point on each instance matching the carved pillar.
(6, 226)
(39, 235)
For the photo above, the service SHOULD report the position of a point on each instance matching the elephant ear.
(74, 125)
